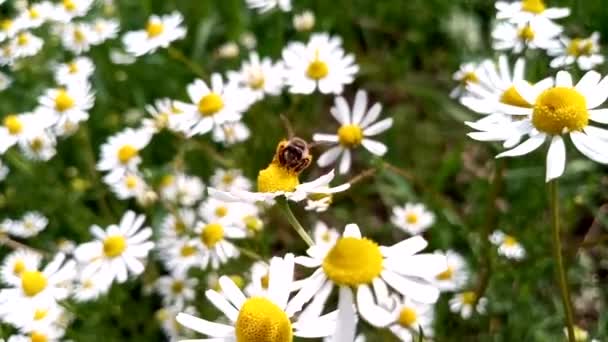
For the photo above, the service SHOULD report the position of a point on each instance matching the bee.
(293, 154)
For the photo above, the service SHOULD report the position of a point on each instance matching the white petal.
(526, 147)
(340, 111)
(374, 147)
(372, 313)
(563, 79)
(222, 304)
(204, 327)
(352, 230)
(232, 292)
(378, 127)
(591, 148)
(347, 319)
(329, 157)
(405, 248)
(418, 290)
(556, 158)
(359, 106)
(345, 162)
(372, 114)
(599, 115)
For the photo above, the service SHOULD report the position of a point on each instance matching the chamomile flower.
(67, 10)
(130, 185)
(214, 245)
(528, 35)
(231, 179)
(173, 330)
(527, 10)
(324, 236)
(160, 32)
(466, 304)
(76, 71)
(40, 146)
(30, 225)
(455, 276)
(67, 105)
(560, 108)
(410, 317)
(508, 246)
(215, 105)
(48, 333)
(104, 29)
(176, 289)
(180, 255)
(230, 133)
(25, 44)
(35, 317)
(121, 153)
(16, 128)
(228, 50)
(583, 51)
(117, 251)
(260, 76)
(468, 73)
(412, 218)
(216, 210)
(263, 6)
(259, 274)
(35, 15)
(15, 263)
(182, 189)
(321, 63)
(91, 287)
(356, 126)
(260, 317)
(77, 37)
(9, 28)
(164, 114)
(356, 265)
(304, 21)
(177, 225)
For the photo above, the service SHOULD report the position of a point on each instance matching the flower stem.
(294, 222)
(557, 250)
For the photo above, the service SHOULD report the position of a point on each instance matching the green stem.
(253, 255)
(557, 250)
(179, 56)
(294, 222)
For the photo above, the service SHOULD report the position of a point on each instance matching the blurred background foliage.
(407, 52)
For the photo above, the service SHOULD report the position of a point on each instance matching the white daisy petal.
(526, 147)
(556, 158)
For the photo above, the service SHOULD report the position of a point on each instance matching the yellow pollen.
(79, 36)
(33, 13)
(23, 38)
(469, 297)
(580, 47)
(526, 33)
(326, 237)
(114, 246)
(13, 124)
(177, 287)
(73, 67)
(36, 144)
(264, 281)
(512, 97)
(256, 79)
(166, 181)
(179, 227)
(252, 223)
(533, 6)
(317, 70)
(210, 104)
(260, 320)
(411, 218)
(69, 5)
(187, 251)
(353, 261)
(37, 336)
(350, 135)
(276, 178)
(88, 284)
(131, 182)
(6, 24)
(40, 314)
(560, 109)
(228, 178)
(126, 153)
(33, 282)
(18, 267)
(212, 234)
(447, 274)
(154, 29)
(221, 211)
(407, 317)
(469, 77)
(63, 101)
(175, 110)
(509, 241)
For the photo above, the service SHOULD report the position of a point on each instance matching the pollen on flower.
(114, 246)
(131, 182)
(407, 317)
(33, 282)
(33, 13)
(560, 109)
(18, 267)
(353, 261)
(317, 69)
(73, 67)
(154, 29)
(63, 101)
(13, 124)
(469, 77)
(526, 33)
(79, 36)
(469, 297)
(533, 6)
(187, 251)
(411, 218)
(509, 241)
(23, 38)
(512, 97)
(69, 5)
(252, 223)
(40, 314)
(37, 336)
(126, 153)
(350, 135)
(264, 280)
(212, 234)
(177, 287)
(36, 144)
(221, 211)
(210, 104)
(276, 178)
(447, 274)
(580, 47)
(260, 320)
(256, 79)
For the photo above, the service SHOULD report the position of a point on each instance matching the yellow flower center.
(469, 77)
(166, 181)
(407, 317)
(37, 336)
(411, 218)
(260, 320)
(18, 267)
(580, 47)
(73, 68)
(469, 297)
(317, 69)
(154, 29)
(79, 36)
(69, 5)
(212, 234)
(221, 211)
(533, 6)
(560, 109)
(276, 178)
(447, 274)
(13, 124)
(228, 178)
(40, 314)
(63, 101)
(264, 281)
(177, 287)
(131, 182)
(126, 153)
(33, 13)
(509, 241)
(252, 223)
(526, 33)
(114, 246)
(179, 227)
(210, 104)
(6, 24)
(88, 284)
(187, 251)
(33, 282)
(512, 97)
(36, 144)
(23, 38)
(353, 261)
(256, 79)
(350, 135)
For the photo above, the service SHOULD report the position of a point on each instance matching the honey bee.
(293, 154)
